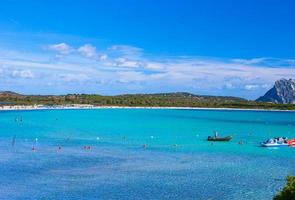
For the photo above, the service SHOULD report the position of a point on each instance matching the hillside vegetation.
(162, 99)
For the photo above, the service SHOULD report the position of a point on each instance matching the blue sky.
(224, 47)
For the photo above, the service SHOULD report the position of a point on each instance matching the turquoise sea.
(99, 154)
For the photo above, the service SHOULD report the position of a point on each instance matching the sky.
(211, 47)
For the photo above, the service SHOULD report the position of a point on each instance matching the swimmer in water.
(240, 142)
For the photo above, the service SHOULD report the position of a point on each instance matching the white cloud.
(266, 86)
(257, 86)
(251, 87)
(131, 77)
(88, 51)
(154, 66)
(73, 77)
(103, 57)
(89, 64)
(229, 86)
(266, 62)
(126, 49)
(22, 74)
(61, 48)
(124, 62)
(250, 61)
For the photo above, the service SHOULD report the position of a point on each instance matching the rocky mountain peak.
(283, 91)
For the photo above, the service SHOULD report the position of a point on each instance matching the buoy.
(152, 137)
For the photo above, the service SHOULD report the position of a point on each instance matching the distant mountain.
(282, 92)
(8, 94)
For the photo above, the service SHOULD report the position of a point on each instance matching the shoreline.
(89, 107)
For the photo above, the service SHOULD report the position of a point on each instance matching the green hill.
(178, 99)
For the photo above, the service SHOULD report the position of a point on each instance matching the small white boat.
(275, 142)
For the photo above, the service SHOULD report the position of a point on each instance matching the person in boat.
(285, 139)
(215, 134)
(270, 141)
(281, 140)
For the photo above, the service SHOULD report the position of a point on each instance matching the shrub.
(288, 192)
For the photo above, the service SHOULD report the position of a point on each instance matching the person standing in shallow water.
(13, 140)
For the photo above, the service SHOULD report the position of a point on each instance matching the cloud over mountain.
(120, 67)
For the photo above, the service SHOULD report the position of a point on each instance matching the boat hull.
(273, 145)
(219, 139)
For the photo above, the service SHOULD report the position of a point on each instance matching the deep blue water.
(178, 162)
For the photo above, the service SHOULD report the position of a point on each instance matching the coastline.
(86, 107)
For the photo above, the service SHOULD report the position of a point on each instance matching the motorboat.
(275, 142)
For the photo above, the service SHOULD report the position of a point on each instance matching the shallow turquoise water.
(178, 164)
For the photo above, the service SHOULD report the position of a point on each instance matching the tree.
(288, 192)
